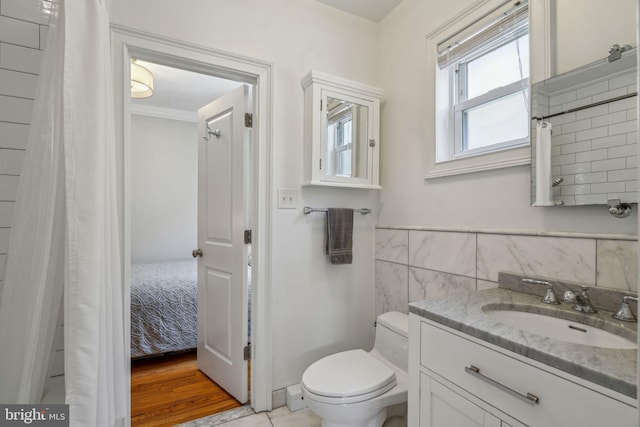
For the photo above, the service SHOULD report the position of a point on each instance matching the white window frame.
(338, 149)
(460, 106)
(440, 158)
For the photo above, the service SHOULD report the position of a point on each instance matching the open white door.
(223, 144)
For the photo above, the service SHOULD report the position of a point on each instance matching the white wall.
(317, 308)
(498, 199)
(164, 174)
(579, 34)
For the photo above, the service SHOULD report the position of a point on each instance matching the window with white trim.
(482, 81)
(339, 134)
(346, 134)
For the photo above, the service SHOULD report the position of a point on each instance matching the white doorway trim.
(127, 42)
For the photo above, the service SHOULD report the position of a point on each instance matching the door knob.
(196, 253)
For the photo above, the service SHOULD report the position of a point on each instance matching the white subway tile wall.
(22, 25)
(19, 32)
(23, 30)
(594, 150)
(597, 262)
(36, 11)
(57, 364)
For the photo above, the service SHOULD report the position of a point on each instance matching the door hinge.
(248, 120)
(321, 105)
(247, 352)
(320, 164)
(247, 237)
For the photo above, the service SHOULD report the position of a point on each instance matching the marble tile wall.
(417, 264)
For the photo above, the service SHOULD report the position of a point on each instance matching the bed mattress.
(163, 307)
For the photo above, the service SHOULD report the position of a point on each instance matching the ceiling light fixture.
(141, 81)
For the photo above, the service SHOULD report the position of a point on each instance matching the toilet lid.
(347, 374)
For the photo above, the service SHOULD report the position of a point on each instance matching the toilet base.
(396, 415)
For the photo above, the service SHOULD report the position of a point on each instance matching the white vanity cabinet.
(341, 132)
(458, 380)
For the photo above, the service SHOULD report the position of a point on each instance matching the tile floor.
(245, 417)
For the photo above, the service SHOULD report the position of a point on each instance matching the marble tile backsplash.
(557, 257)
(416, 264)
(432, 250)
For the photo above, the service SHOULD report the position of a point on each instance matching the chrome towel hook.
(210, 132)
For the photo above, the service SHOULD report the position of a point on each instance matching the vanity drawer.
(504, 382)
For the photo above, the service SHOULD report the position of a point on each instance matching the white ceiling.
(186, 91)
(175, 89)
(373, 10)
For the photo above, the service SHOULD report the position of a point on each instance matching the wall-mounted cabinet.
(341, 132)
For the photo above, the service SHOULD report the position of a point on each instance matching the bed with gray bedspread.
(163, 307)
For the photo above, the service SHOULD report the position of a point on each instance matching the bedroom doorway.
(164, 224)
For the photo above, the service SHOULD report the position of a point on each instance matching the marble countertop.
(614, 369)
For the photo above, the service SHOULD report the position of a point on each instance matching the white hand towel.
(543, 165)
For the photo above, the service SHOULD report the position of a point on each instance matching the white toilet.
(355, 388)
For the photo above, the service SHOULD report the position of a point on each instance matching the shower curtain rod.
(595, 104)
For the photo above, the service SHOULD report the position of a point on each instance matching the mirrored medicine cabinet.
(584, 77)
(341, 132)
(584, 134)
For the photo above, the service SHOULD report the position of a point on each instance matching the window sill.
(490, 161)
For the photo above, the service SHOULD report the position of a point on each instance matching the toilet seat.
(348, 377)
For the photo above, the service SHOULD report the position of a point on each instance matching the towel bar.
(308, 210)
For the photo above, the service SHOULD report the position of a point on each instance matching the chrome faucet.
(623, 312)
(583, 302)
(550, 296)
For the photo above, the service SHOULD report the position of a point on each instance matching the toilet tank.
(392, 338)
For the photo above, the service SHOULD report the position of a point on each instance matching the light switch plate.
(287, 198)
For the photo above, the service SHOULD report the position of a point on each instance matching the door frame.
(127, 42)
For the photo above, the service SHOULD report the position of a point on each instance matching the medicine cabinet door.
(347, 139)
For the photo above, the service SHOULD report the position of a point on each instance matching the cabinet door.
(442, 407)
(347, 139)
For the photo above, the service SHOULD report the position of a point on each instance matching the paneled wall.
(23, 28)
(418, 264)
(23, 32)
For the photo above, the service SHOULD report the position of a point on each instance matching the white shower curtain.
(65, 233)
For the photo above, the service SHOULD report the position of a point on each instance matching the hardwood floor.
(170, 390)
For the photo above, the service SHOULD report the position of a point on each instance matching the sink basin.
(559, 329)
